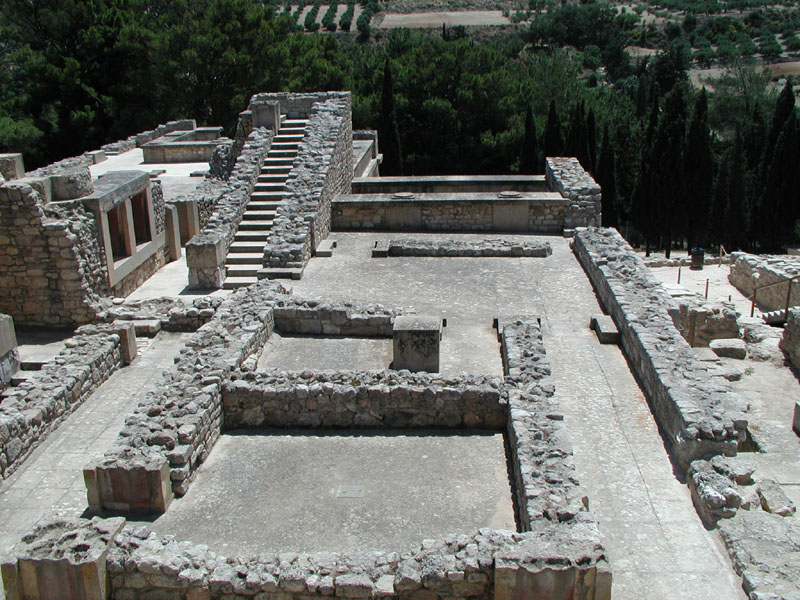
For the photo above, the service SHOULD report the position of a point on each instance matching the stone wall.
(749, 270)
(314, 317)
(29, 411)
(391, 399)
(172, 431)
(206, 252)
(697, 412)
(703, 321)
(51, 265)
(568, 177)
(486, 247)
(322, 170)
(135, 563)
(790, 342)
(540, 212)
(171, 314)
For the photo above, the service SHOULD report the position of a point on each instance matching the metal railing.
(789, 280)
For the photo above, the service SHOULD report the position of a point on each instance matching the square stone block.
(62, 560)
(127, 338)
(416, 343)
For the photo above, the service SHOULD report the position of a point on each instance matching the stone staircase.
(246, 253)
(775, 317)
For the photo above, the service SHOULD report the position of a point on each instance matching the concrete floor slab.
(325, 352)
(307, 491)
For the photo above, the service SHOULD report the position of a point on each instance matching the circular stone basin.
(405, 195)
(509, 194)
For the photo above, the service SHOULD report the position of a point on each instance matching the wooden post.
(788, 299)
(706, 289)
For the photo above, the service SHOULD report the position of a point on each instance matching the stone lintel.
(114, 188)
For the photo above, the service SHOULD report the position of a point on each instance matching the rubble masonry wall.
(698, 412)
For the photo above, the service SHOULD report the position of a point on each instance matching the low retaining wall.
(133, 563)
(207, 251)
(172, 314)
(31, 410)
(697, 412)
(323, 169)
(312, 317)
(790, 342)
(541, 212)
(388, 399)
(172, 431)
(749, 270)
(485, 248)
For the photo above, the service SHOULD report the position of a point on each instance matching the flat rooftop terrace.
(176, 178)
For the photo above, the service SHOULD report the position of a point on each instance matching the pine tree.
(553, 143)
(388, 133)
(606, 177)
(698, 173)
(529, 155)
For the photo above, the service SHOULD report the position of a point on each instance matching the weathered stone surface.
(732, 348)
(714, 491)
(416, 343)
(749, 271)
(323, 168)
(790, 342)
(452, 248)
(698, 412)
(568, 177)
(773, 498)
(32, 409)
(765, 550)
(703, 321)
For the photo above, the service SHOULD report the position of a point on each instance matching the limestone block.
(74, 183)
(8, 338)
(147, 327)
(206, 252)
(266, 114)
(416, 343)
(796, 421)
(127, 338)
(774, 500)
(62, 560)
(173, 232)
(11, 166)
(606, 330)
(136, 486)
(729, 348)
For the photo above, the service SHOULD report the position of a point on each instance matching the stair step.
(251, 236)
(243, 270)
(270, 187)
(271, 179)
(287, 137)
(258, 215)
(255, 226)
(282, 153)
(294, 123)
(237, 247)
(285, 145)
(775, 317)
(280, 161)
(244, 258)
(233, 283)
(281, 273)
(258, 205)
(266, 196)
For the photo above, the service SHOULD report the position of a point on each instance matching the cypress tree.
(606, 177)
(388, 133)
(591, 139)
(735, 223)
(779, 205)
(719, 202)
(553, 143)
(665, 164)
(529, 155)
(698, 173)
(577, 144)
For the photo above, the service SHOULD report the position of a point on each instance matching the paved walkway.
(51, 479)
(657, 544)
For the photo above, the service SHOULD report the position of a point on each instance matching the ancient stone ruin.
(488, 309)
